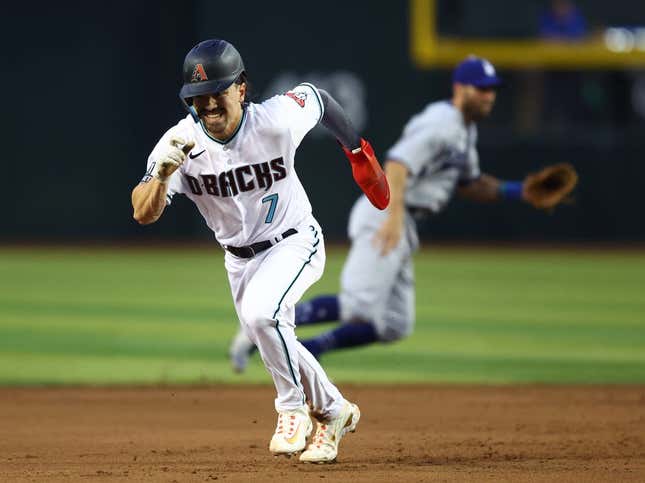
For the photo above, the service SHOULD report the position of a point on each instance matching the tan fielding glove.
(550, 186)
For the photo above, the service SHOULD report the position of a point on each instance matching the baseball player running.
(435, 157)
(235, 160)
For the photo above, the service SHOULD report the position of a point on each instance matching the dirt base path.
(407, 433)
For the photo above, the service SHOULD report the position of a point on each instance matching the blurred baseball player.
(235, 160)
(435, 157)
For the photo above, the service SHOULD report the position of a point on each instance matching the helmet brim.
(206, 87)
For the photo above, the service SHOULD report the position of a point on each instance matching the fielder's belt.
(419, 212)
(250, 251)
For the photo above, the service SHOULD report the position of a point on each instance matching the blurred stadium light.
(618, 47)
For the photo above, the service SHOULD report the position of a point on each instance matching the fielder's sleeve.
(471, 169)
(301, 109)
(417, 146)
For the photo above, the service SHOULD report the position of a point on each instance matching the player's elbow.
(140, 219)
(144, 218)
(143, 210)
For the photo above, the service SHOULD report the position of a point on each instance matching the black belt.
(419, 212)
(250, 251)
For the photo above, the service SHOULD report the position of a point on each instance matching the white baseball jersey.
(246, 188)
(440, 151)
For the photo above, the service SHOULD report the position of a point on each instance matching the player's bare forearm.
(389, 234)
(149, 201)
(484, 189)
(397, 175)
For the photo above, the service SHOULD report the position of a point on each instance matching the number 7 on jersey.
(273, 200)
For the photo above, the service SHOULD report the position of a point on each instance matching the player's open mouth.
(213, 115)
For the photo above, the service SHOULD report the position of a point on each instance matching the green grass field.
(123, 315)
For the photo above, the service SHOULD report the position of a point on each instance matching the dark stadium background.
(90, 86)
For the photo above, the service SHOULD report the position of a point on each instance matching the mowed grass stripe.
(45, 369)
(18, 368)
(90, 340)
(176, 311)
(551, 316)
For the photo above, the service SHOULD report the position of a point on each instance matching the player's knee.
(360, 313)
(393, 330)
(391, 335)
(257, 315)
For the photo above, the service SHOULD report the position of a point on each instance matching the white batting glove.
(173, 159)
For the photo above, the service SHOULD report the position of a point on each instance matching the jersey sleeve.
(471, 169)
(301, 109)
(416, 147)
(175, 183)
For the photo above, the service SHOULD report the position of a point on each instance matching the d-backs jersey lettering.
(246, 187)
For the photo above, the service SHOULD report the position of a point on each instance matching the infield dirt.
(406, 434)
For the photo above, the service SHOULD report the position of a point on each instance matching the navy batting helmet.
(211, 66)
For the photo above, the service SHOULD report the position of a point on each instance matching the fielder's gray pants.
(377, 288)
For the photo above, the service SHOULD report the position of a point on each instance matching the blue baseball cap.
(477, 72)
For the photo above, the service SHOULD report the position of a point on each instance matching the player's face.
(478, 101)
(221, 112)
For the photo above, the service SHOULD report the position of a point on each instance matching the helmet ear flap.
(193, 113)
(190, 108)
(243, 78)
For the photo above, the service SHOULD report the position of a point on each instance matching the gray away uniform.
(438, 149)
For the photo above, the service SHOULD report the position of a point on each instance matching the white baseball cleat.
(324, 445)
(240, 350)
(291, 432)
